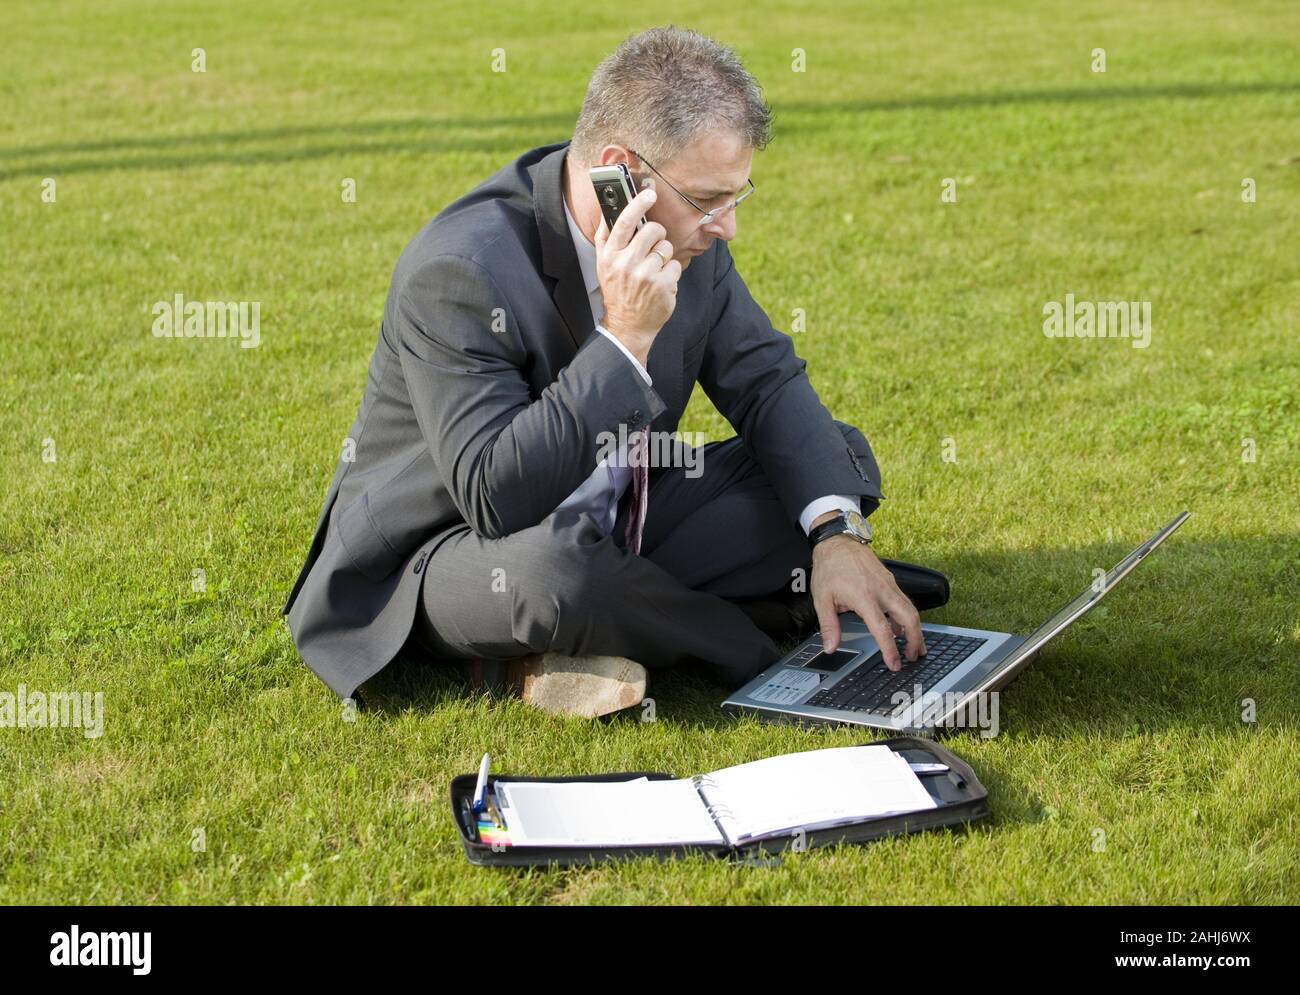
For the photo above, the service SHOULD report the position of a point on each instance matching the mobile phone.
(615, 189)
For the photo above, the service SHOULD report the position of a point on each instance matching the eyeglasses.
(708, 216)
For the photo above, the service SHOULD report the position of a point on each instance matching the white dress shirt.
(600, 493)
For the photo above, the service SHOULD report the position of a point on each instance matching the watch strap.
(835, 526)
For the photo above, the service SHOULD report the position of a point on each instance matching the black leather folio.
(959, 797)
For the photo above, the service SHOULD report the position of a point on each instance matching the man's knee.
(569, 575)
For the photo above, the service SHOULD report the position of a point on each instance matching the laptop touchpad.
(830, 662)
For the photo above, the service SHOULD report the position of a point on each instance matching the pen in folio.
(484, 801)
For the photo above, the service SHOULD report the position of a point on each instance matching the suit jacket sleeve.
(752, 375)
(507, 459)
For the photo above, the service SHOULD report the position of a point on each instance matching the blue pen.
(481, 787)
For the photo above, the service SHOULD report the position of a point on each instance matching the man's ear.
(612, 154)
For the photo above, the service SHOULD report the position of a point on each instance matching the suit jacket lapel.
(665, 365)
(559, 259)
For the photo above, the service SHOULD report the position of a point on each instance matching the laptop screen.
(1096, 590)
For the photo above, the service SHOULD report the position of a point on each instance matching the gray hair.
(662, 88)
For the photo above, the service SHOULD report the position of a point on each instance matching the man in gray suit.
(481, 511)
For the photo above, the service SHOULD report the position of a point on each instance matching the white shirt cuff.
(832, 502)
(626, 352)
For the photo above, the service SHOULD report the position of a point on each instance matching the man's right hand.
(638, 288)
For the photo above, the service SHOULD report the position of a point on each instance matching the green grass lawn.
(923, 327)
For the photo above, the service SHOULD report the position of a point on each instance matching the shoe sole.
(584, 686)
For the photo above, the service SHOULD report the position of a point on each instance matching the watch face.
(857, 524)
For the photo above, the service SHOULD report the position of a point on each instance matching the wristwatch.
(850, 523)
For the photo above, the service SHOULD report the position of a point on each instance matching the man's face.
(712, 171)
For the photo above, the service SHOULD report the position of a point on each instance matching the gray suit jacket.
(488, 389)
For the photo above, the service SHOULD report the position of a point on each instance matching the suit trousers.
(715, 530)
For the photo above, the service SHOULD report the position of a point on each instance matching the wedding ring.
(667, 259)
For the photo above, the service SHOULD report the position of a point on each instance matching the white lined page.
(608, 813)
(816, 788)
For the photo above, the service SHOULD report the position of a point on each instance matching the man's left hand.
(848, 576)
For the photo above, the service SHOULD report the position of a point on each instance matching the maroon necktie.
(640, 490)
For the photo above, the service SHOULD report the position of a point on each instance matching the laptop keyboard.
(871, 685)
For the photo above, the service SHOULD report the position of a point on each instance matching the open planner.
(821, 796)
(778, 795)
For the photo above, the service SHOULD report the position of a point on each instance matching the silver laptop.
(942, 688)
